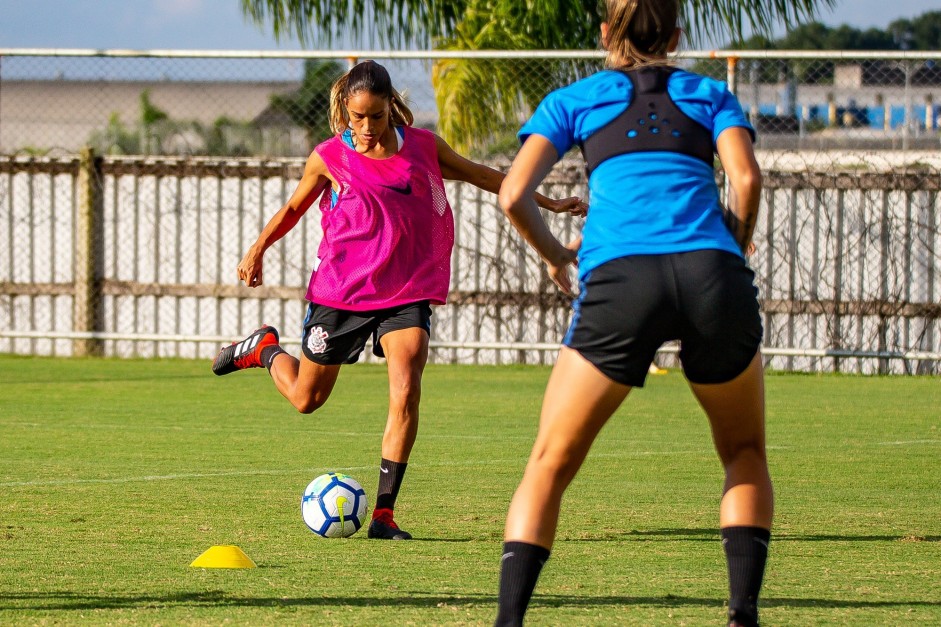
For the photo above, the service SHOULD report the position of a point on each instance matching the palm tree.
(472, 93)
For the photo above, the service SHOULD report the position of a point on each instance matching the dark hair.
(373, 78)
(639, 31)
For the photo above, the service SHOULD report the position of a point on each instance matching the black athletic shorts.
(707, 299)
(335, 336)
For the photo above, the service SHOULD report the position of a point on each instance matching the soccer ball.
(334, 505)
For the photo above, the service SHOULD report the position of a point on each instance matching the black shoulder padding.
(652, 122)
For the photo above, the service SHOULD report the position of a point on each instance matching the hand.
(558, 269)
(250, 268)
(574, 205)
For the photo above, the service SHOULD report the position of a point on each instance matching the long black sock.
(390, 480)
(519, 571)
(268, 354)
(746, 551)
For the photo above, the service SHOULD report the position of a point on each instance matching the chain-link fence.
(131, 247)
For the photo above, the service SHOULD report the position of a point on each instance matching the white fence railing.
(136, 256)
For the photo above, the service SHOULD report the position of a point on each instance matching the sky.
(220, 25)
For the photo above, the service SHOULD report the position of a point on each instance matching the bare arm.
(457, 168)
(738, 161)
(531, 165)
(312, 184)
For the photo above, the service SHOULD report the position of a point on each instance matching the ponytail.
(339, 119)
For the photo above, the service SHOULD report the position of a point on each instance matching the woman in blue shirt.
(659, 259)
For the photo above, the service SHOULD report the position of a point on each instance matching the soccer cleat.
(383, 527)
(245, 354)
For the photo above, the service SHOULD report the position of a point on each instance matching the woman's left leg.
(406, 352)
(578, 402)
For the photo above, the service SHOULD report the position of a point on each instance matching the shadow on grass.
(712, 535)
(71, 601)
(457, 540)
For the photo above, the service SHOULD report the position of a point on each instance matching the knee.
(309, 404)
(555, 464)
(406, 393)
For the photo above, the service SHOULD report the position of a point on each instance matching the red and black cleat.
(383, 527)
(245, 354)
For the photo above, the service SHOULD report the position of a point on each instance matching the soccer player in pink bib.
(384, 259)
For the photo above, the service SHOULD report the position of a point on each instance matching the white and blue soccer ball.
(334, 505)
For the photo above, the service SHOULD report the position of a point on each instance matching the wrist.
(559, 256)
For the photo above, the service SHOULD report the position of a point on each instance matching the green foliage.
(228, 137)
(157, 133)
(150, 114)
(309, 106)
(550, 24)
(116, 138)
(920, 33)
(476, 100)
(116, 474)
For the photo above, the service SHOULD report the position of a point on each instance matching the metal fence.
(273, 104)
(134, 254)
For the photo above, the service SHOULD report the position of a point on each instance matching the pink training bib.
(387, 241)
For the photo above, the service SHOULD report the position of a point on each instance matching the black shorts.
(629, 307)
(333, 337)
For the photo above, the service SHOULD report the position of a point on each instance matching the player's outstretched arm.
(531, 165)
(312, 184)
(738, 160)
(458, 168)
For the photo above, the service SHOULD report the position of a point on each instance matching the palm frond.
(393, 22)
(480, 99)
(554, 24)
(736, 19)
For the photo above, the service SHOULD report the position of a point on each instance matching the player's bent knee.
(309, 405)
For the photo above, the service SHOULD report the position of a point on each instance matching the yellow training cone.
(223, 556)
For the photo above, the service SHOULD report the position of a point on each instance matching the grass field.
(115, 475)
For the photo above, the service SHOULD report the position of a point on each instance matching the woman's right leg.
(306, 384)
(577, 403)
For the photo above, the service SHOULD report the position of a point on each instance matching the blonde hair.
(370, 77)
(640, 31)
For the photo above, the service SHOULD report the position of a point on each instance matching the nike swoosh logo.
(507, 556)
(402, 190)
(384, 471)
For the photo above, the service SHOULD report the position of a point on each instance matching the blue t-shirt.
(644, 203)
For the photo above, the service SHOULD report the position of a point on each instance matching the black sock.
(268, 354)
(746, 551)
(390, 480)
(519, 570)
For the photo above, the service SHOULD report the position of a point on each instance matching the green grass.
(115, 475)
